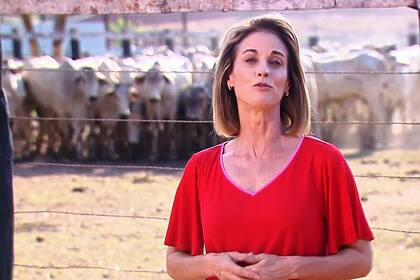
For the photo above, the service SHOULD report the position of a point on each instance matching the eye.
(250, 60)
(275, 62)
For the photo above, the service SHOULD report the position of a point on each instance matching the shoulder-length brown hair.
(294, 109)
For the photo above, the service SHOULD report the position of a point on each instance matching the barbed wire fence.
(165, 168)
(175, 169)
(376, 72)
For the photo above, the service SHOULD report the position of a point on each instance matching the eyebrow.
(273, 52)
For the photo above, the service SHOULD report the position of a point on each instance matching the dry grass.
(129, 243)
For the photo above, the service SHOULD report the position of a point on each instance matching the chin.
(264, 104)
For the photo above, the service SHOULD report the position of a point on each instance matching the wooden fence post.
(418, 21)
(6, 190)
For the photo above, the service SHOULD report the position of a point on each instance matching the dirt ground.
(134, 243)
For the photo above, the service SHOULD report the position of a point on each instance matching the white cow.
(408, 60)
(159, 95)
(113, 105)
(19, 106)
(62, 90)
(371, 90)
(158, 79)
(312, 88)
(202, 63)
(177, 69)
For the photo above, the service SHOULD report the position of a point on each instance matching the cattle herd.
(87, 97)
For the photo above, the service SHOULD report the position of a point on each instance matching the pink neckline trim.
(241, 188)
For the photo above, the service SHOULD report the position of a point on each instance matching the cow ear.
(139, 79)
(166, 79)
(102, 81)
(100, 76)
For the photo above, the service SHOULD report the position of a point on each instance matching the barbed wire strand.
(154, 167)
(106, 71)
(162, 218)
(109, 215)
(118, 269)
(396, 230)
(377, 176)
(107, 120)
(76, 165)
(208, 71)
(109, 35)
(201, 122)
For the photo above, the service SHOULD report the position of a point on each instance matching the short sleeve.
(184, 229)
(345, 220)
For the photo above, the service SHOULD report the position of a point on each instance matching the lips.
(263, 85)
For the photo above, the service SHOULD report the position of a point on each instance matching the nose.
(123, 116)
(262, 71)
(154, 100)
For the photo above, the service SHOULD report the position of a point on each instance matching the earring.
(286, 93)
(230, 87)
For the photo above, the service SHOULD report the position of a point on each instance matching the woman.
(272, 203)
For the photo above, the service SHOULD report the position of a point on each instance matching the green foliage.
(121, 24)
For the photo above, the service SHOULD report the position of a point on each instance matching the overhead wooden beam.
(374, 3)
(418, 20)
(13, 7)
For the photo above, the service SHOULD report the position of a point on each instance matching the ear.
(100, 76)
(110, 94)
(287, 85)
(230, 81)
(102, 82)
(166, 79)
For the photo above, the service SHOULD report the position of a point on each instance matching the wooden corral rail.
(13, 7)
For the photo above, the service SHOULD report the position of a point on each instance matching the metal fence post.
(17, 44)
(126, 44)
(74, 44)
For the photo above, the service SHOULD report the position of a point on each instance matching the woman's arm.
(182, 266)
(351, 262)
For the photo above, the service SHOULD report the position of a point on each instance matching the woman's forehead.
(262, 42)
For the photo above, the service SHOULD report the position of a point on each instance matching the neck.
(260, 133)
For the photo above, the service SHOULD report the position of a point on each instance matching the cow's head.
(86, 83)
(105, 85)
(197, 103)
(152, 84)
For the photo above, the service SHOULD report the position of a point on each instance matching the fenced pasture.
(107, 220)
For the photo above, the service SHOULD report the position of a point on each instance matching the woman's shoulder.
(207, 155)
(321, 148)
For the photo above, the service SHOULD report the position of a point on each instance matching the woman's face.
(259, 74)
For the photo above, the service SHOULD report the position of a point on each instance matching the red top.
(311, 208)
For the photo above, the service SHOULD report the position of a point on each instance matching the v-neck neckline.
(269, 182)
